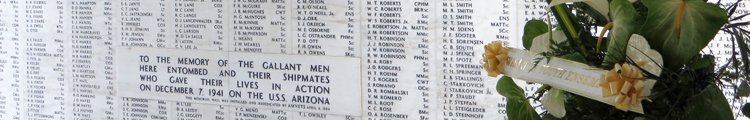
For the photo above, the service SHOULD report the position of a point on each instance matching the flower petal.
(656, 62)
(542, 42)
(640, 52)
(636, 45)
(554, 102)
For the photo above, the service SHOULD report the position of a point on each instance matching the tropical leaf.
(518, 107)
(533, 28)
(574, 57)
(679, 29)
(705, 62)
(580, 38)
(709, 104)
(521, 110)
(506, 87)
(624, 23)
(743, 90)
(601, 6)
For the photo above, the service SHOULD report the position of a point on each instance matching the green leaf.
(743, 90)
(506, 87)
(521, 110)
(518, 107)
(574, 57)
(600, 6)
(679, 29)
(533, 28)
(573, 29)
(624, 23)
(710, 104)
(702, 63)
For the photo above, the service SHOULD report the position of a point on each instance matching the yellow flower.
(625, 82)
(495, 58)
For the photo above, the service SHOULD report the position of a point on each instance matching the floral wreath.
(624, 59)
